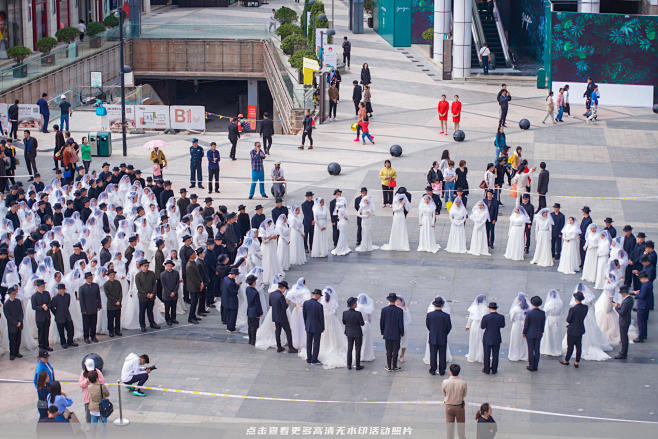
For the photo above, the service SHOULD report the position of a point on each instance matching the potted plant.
(428, 35)
(68, 35)
(111, 20)
(367, 6)
(297, 61)
(45, 45)
(288, 29)
(285, 15)
(93, 30)
(19, 53)
(293, 43)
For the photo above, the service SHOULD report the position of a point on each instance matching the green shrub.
(285, 15)
(297, 60)
(315, 9)
(94, 28)
(46, 44)
(367, 6)
(111, 21)
(293, 43)
(288, 29)
(428, 35)
(67, 34)
(18, 53)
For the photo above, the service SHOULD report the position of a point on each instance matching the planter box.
(20, 71)
(95, 42)
(48, 59)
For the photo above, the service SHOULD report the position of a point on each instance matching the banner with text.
(188, 117)
(114, 115)
(154, 117)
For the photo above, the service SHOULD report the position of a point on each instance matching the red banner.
(251, 116)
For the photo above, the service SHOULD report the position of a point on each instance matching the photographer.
(134, 372)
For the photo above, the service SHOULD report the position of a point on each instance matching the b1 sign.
(187, 117)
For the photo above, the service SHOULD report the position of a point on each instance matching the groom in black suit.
(492, 323)
(353, 320)
(391, 325)
(313, 313)
(624, 309)
(279, 306)
(575, 328)
(533, 329)
(439, 325)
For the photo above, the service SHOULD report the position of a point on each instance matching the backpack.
(105, 407)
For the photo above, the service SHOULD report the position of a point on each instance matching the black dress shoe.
(175, 322)
(280, 349)
(111, 334)
(432, 372)
(65, 346)
(142, 329)
(292, 351)
(620, 357)
(73, 345)
(20, 355)
(530, 369)
(154, 326)
(12, 357)
(117, 333)
(485, 371)
(349, 366)
(201, 186)
(95, 340)
(442, 373)
(169, 323)
(49, 349)
(194, 322)
(359, 367)
(638, 340)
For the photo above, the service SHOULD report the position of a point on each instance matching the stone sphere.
(333, 168)
(98, 361)
(395, 150)
(655, 108)
(524, 124)
(459, 136)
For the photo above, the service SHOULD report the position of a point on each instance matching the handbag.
(513, 193)
(42, 404)
(483, 184)
(105, 407)
(392, 183)
(157, 171)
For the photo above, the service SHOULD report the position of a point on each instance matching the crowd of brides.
(112, 227)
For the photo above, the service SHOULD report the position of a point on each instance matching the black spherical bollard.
(395, 150)
(655, 108)
(459, 136)
(524, 124)
(333, 168)
(98, 361)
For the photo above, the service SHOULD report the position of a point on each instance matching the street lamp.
(309, 3)
(123, 69)
(329, 32)
(319, 17)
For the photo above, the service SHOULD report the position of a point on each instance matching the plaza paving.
(615, 157)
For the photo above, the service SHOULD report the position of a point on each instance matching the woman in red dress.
(444, 107)
(456, 109)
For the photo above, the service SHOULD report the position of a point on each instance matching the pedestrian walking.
(500, 142)
(30, 153)
(484, 54)
(365, 74)
(196, 157)
(360, 115)
(347, 50)
(503, 100)
(333, 100)
(233, 136)
(59, 146)
(159, 161)
(560, 105)
(365, 131)
(454, 393)
(550, 108)
(12, 115)
(267, 131)
(357, 94)
(273, 21)
(44, 111)
(65, 112)
(308, 130)
(367, 98)
(456, 110)
(257, 170)
(567, 107)
(594, 105)
(588, 94)
(213, 167)
(85, 153)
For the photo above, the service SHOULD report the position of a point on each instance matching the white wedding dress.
(399, 237)
(569, 256)
(321, 230)
(543, 224)
(283, 245)
(297, 252)
(457, 237)
(606, 317)
(426, 221)
(268, 247)
(516, 235)
(366, 306)
(476, 311)
(602, 262)
(479, 243)
(297, 295)
(518, 348)
(594, 342)
(551, 342)
(342, 247)
(333, 343)
(591, 245)
(367, 214)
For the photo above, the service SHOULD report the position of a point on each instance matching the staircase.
(491, 37)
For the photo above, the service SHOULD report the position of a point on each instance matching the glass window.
(10, 25)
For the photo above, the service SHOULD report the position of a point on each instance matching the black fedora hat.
(392, 297)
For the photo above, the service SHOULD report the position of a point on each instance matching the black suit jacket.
(492, 323)
(313, 316)
(353, 320)
(533, 327)
(233, 132)
(576, 319)
(391, 322)
(90, 298)
(229, 293)
(59, 305)
(38, 299)
(357, 93)
(439, 324)
(542, 181)
(629, 244)
(13, 314)
(256, 220)
(307, 210)
(279, 306)
(254, 309)
(266, 127)
(624, 309)
(558, 221)
(492, 206)
(332, 207)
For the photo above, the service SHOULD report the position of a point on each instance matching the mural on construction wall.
(422, 18)
(612, 48)
(527, 29)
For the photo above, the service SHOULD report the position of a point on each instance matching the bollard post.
(120, 421)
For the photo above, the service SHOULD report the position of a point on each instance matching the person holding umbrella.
(157, 156)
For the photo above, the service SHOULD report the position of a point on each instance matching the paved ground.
(616, 157)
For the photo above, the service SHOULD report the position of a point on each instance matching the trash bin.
(541, 78)
(101, 144)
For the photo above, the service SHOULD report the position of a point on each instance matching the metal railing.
(203, 31)
(501, 35)
(477, 31)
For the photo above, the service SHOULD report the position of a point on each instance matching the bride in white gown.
(297, 295)
(342, 247)
(457, 237)
(296, 222)
(366, 306)
(445, 309)
(367, 214)
(570, 255)
(543, 224)
(399, 237)
(606, 317)
(333, 347)
(479, 243)
(321, 229)
(516, 234)
(265, 335)
(426, 222)
(518, 348)
(594, 341)
(267, 232)
(590, 245)
(551, 342)
(602, 259)
(476, 311)
(283, 245)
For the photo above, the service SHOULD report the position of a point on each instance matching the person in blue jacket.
(44, 365)
(196, 156)
(44, 110)
(643, 299)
